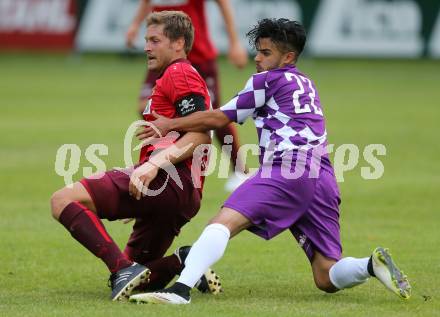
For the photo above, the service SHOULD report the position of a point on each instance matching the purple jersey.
(286, 109)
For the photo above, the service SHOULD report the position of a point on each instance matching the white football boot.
(159, 297)
(389, 274)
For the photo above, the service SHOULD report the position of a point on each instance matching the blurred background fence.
(337, 28)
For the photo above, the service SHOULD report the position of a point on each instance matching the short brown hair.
(176, 24)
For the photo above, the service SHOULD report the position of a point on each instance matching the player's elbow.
(217, 121)
(213, 124)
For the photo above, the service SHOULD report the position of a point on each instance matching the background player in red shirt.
(203, 57)
(118, 194)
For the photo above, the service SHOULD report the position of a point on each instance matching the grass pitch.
(50, 100)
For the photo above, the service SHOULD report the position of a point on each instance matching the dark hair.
(177, 24)
(287, 35)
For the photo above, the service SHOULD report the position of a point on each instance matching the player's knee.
(321, 273)
(325, 285)
(58, 202)
(232, 220)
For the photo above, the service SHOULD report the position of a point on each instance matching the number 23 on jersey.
(308, 91)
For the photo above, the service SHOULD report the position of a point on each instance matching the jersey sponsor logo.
(367, 28)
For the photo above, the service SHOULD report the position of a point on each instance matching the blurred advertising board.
(372, 28)
(104, 24)
(367, 28)
(336, 28)
(434, 44)
(106, 21)
(37, 24)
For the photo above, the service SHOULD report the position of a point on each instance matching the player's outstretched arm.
(182, 149)
(141, 13)
(199, 121)
(237, 54)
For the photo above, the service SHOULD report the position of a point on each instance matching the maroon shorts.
(158, 218)
(209, 72)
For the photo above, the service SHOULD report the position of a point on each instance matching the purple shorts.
(308, 207)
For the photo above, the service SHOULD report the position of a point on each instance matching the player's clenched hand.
(162, 124)
(145, 133)
(156, 129)
(130, 36)
(238, 55)
(141, 178)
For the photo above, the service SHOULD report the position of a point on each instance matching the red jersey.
(203, 50)
(179, 91)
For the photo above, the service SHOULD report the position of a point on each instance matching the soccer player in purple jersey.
(294, 188)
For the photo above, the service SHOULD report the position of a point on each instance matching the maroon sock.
(88, 230)
(162, 272)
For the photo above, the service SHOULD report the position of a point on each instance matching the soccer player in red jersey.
(203, 57)
(119, 194)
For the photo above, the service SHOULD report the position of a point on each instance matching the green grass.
(50, 100)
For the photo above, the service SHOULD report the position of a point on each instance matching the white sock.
(349, 272)
(207, 250)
